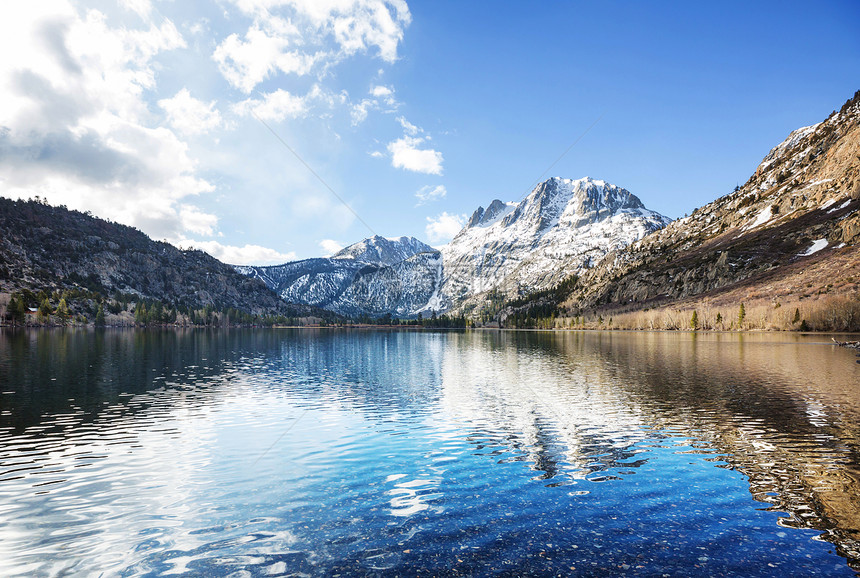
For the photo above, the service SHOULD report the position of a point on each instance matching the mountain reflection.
(783, 411)
(575, 408)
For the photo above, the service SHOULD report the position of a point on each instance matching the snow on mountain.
(375, 276)
(561, 227)
(402, 289)
(383, 251)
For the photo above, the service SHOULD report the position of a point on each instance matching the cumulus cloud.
(442, 228)
(264, 49)
(275, 106)
(190, 115)
(245, 255)
(408, 127)
(196, 221)
(381, 91)
(429, 194)
(75, 127)
(381, 98)
(298, 36)
(281, 104)
(330, 246)
(406, 154)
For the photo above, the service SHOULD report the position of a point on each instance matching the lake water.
(304, 452)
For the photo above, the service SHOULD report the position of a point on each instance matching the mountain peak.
(576, 201)
(379, 250)
(486, 217)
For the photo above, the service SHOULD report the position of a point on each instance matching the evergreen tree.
(140, 313)
(719, 318)
(694, 321)
(17, 310)
(100, 316)
(796, 315)
(742, 312)
(63, 310)
(45, 307)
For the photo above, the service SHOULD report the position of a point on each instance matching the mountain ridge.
(54, 250)
(770, 241)
(561, 222)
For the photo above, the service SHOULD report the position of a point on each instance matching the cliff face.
(45, 247)
(798, 213)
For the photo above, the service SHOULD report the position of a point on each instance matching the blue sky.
(158, 113)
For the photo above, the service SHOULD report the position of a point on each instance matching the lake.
(332, 452)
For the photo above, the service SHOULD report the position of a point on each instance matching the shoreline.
(755, 331)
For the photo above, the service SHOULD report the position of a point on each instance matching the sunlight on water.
(323, 452)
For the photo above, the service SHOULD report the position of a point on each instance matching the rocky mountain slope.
(791, 231)
(45, 248)
(374, 277)
(562, 226)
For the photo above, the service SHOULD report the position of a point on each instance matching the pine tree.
(742, 312)
(45, 307)
(694, 321)
(796, 315)
(63, 310)
(140, 313)
(100, 316)
(17, 310)
(719, 318)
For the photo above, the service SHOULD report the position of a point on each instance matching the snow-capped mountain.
(382, 251)
(376, 276)
(561, 227)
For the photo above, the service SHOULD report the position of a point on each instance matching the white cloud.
(295, 36)
(245, 255)
(245, 63)
(381, 91)
(405, 154)
(408, 127)
(330, 246)
(382, 99)
(429, 194)
(141, 7)
(75, 127)
(196, 221)
(275, 106)
(359, 111)
(281, 104)
(190, 115)
(444, 227)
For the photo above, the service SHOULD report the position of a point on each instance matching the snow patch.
(763, 217)
(840, 207)
(817, 245)
(814, 183)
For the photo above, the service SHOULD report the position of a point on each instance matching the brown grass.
(826, 313)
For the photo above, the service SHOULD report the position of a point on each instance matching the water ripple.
(279, 452)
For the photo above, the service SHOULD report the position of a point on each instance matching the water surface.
(301, 452)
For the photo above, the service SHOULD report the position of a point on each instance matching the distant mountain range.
(561, 227)
(374, 277)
